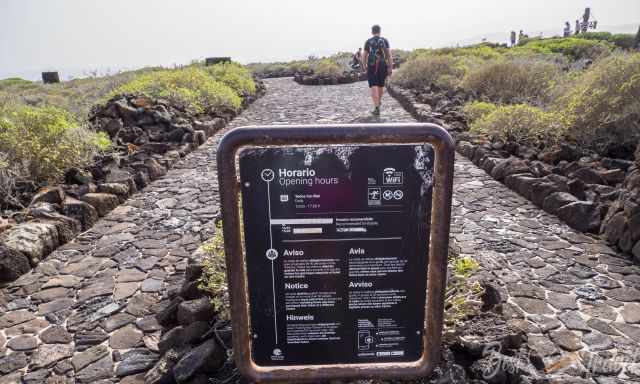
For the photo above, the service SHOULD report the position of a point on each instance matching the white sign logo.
(267, 175)
(373, 196)
(391, 177)
(272, 254)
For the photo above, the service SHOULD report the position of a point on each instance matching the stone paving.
(86, 313)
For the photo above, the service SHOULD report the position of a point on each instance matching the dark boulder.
(206, 358)
(102, 202)
(120, 190)
(169, 315)
(613, 176)
(81, 211)
(195, 310)
(610, 163)
(577, 188)
(584, 216)
(13, 264)
(588, 176)
(52, 195)
(77, 176)
(556, 200)
(508, 167)
(542, 189)
(614, 228)
(171, 339)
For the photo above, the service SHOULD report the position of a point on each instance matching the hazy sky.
(77, 35)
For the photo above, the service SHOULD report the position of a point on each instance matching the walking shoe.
(376, 111)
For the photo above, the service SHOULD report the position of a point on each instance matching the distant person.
(577, 27)
(355, 62)
(378, 63)
(513, 38)
(567, 29)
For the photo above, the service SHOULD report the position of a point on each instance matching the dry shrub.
(426, 70)
(478, 109)
(39, 144)
(513, 81)
(328, 68)
(521, 124)
(603, 99)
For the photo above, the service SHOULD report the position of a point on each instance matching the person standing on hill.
(378, 63)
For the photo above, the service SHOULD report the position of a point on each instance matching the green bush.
(624, 40)
(328, 68)
(234, 75)
(39, 144)
(522, 124)
(605, 96)
(513, 80)
(426, 70)
(192, 86)
(16, 83)
(573, 47)
(477, 109)
(621, 40)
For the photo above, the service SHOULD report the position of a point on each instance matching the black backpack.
(376, 52)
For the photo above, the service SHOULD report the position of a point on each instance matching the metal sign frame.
(347, 134)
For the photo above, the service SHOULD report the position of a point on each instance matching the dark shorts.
(376, 79)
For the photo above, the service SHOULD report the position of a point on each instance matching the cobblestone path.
(86, 313)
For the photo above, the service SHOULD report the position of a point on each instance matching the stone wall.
(149, 136)
(590, 193)
(345, 78)
(621, 225)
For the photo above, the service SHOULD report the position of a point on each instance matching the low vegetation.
(604, 98)
(463, 294)
(214, 280)
(584, 88)
(75, 96)
(43, 128)
(521, 124)
(199, 89)
(328, 68)
(37, 145)
(513, 80)
(235, 76)
(572, 47)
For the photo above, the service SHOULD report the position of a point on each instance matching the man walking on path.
(378, 64)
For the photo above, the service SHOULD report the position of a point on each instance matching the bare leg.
(380, 92)
(375, 96)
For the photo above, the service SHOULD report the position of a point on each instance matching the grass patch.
(462, 296)
(75, 96)
(214, 278)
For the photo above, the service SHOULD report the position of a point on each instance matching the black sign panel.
(336, 242)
